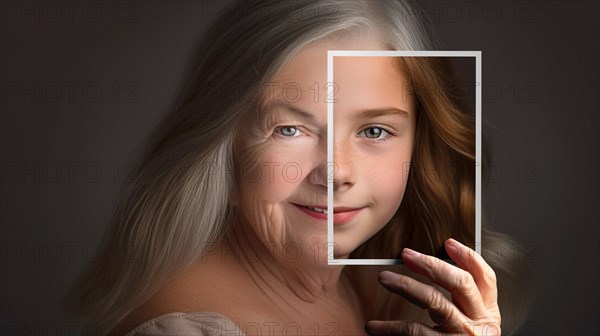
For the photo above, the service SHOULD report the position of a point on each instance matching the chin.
(343, 247)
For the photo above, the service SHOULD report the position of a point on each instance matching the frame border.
(330, 87)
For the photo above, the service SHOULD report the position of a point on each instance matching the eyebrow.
(380, 112)
(363, 114)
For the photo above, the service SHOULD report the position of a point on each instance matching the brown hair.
(439, 201)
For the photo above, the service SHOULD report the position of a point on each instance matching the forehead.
(309, 66)
(359, 82)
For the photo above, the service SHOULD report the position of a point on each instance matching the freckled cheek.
(388, 177)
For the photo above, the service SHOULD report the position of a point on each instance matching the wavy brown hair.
(439, 201)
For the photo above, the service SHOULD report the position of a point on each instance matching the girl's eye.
(288, 131)
(375, 132)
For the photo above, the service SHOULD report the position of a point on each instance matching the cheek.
(392, 177)
(268, 175)
(388, 178)
(273, 171)
(389, 194)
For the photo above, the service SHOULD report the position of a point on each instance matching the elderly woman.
(223, 229)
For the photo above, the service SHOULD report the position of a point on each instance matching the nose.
(318, 170)
(343, 166)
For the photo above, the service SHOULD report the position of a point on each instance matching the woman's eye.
(374, 132)
(288, 131)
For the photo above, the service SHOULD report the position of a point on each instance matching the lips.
(341, 215)
(318, 209)
(344, 215)
(314, 211)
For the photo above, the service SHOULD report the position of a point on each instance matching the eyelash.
(385, 129)
(278, 128)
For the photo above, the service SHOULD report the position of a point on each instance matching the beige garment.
(180, 324)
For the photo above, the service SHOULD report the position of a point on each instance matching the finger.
(483, 275)
(441, 310)
(460, 283)
(399, 328)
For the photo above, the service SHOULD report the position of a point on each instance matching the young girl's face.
(283, 162)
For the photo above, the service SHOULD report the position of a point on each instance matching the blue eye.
(375, 133)
(288, 131)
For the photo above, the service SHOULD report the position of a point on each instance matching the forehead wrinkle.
(288, 108)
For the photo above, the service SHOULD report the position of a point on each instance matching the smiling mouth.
(321, 210)
(341, 215)
(315, 211)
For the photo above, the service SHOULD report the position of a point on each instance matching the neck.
(277, 282)
(290, 271)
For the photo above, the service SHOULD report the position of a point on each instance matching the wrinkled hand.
(473, 309)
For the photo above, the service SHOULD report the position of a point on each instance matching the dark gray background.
(64, 157)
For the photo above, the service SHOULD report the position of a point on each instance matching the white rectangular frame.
(330, 90)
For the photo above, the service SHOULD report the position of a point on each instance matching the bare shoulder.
(192, 323)
(184, 302)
